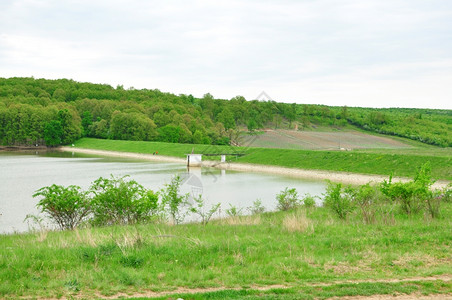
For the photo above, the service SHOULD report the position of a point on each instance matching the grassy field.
(285, 255)
(374, 161)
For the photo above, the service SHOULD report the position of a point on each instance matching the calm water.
(21, 174)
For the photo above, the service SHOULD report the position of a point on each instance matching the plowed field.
(311, 140)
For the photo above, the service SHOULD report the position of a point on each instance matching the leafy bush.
(173, 201)
(257, 207)
(234, 211)
(341, 202)
(66, 206)
(308, 200)
(287, 199)
(433, 204)
(118, 201)
(413, 195)
(403, 193)
(199, 210)
(366, 197)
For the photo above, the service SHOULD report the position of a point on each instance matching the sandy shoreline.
(343, 177)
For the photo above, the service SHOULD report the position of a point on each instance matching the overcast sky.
(374, 53)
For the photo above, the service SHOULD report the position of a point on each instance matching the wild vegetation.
(117, 201)
(299, 252)
(55, 112)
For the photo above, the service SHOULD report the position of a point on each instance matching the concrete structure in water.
(195, 160)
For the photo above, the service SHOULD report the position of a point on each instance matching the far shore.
(342, 177)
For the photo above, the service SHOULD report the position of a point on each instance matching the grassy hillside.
(307, 250)
(400, 163)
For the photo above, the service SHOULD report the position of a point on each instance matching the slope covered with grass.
(298, 249)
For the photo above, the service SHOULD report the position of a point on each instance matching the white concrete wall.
(194, 160)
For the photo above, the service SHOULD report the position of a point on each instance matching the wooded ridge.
(56, 112)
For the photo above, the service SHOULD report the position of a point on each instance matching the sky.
(371, 53)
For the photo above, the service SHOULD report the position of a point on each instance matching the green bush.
(433, 204)
(287, 199)
(338, 200)
(66, 206)
(118, 201)
(234, 211)
(308, 200)
(200, 210)
(413, 195)
(404, 193)
(173, 201)
(257, 207)
(367, 198)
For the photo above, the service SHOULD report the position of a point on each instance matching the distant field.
(321, 140)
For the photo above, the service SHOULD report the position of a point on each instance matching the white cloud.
(389, 53)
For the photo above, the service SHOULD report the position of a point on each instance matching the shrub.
(257, 207)
(433, 203)
(413, 195)
(66, 206)
(199, 210)
(173, 201)
(118, 201)
(234, 211)
(403, 193)
(288, 199)
(338, 201)
(308, 201)
(366, 198)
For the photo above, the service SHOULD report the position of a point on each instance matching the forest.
(58, 112)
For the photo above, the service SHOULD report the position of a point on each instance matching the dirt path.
(344, 177)
(152, 294)
(397, 297)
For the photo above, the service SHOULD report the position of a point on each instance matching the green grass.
(167, 149)
(351, 161)
(244, 252)
(382, 161)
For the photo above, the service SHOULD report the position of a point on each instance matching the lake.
(21, 174)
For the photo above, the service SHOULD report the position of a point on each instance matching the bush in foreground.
(415, 195)
(67, 206)
(173, 201)
(200, 210)
(288, 199)
(121, 201)
(339, 200)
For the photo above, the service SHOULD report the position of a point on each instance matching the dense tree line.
(54, 112)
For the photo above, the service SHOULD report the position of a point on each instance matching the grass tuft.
(242, 220)
(298, 222)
